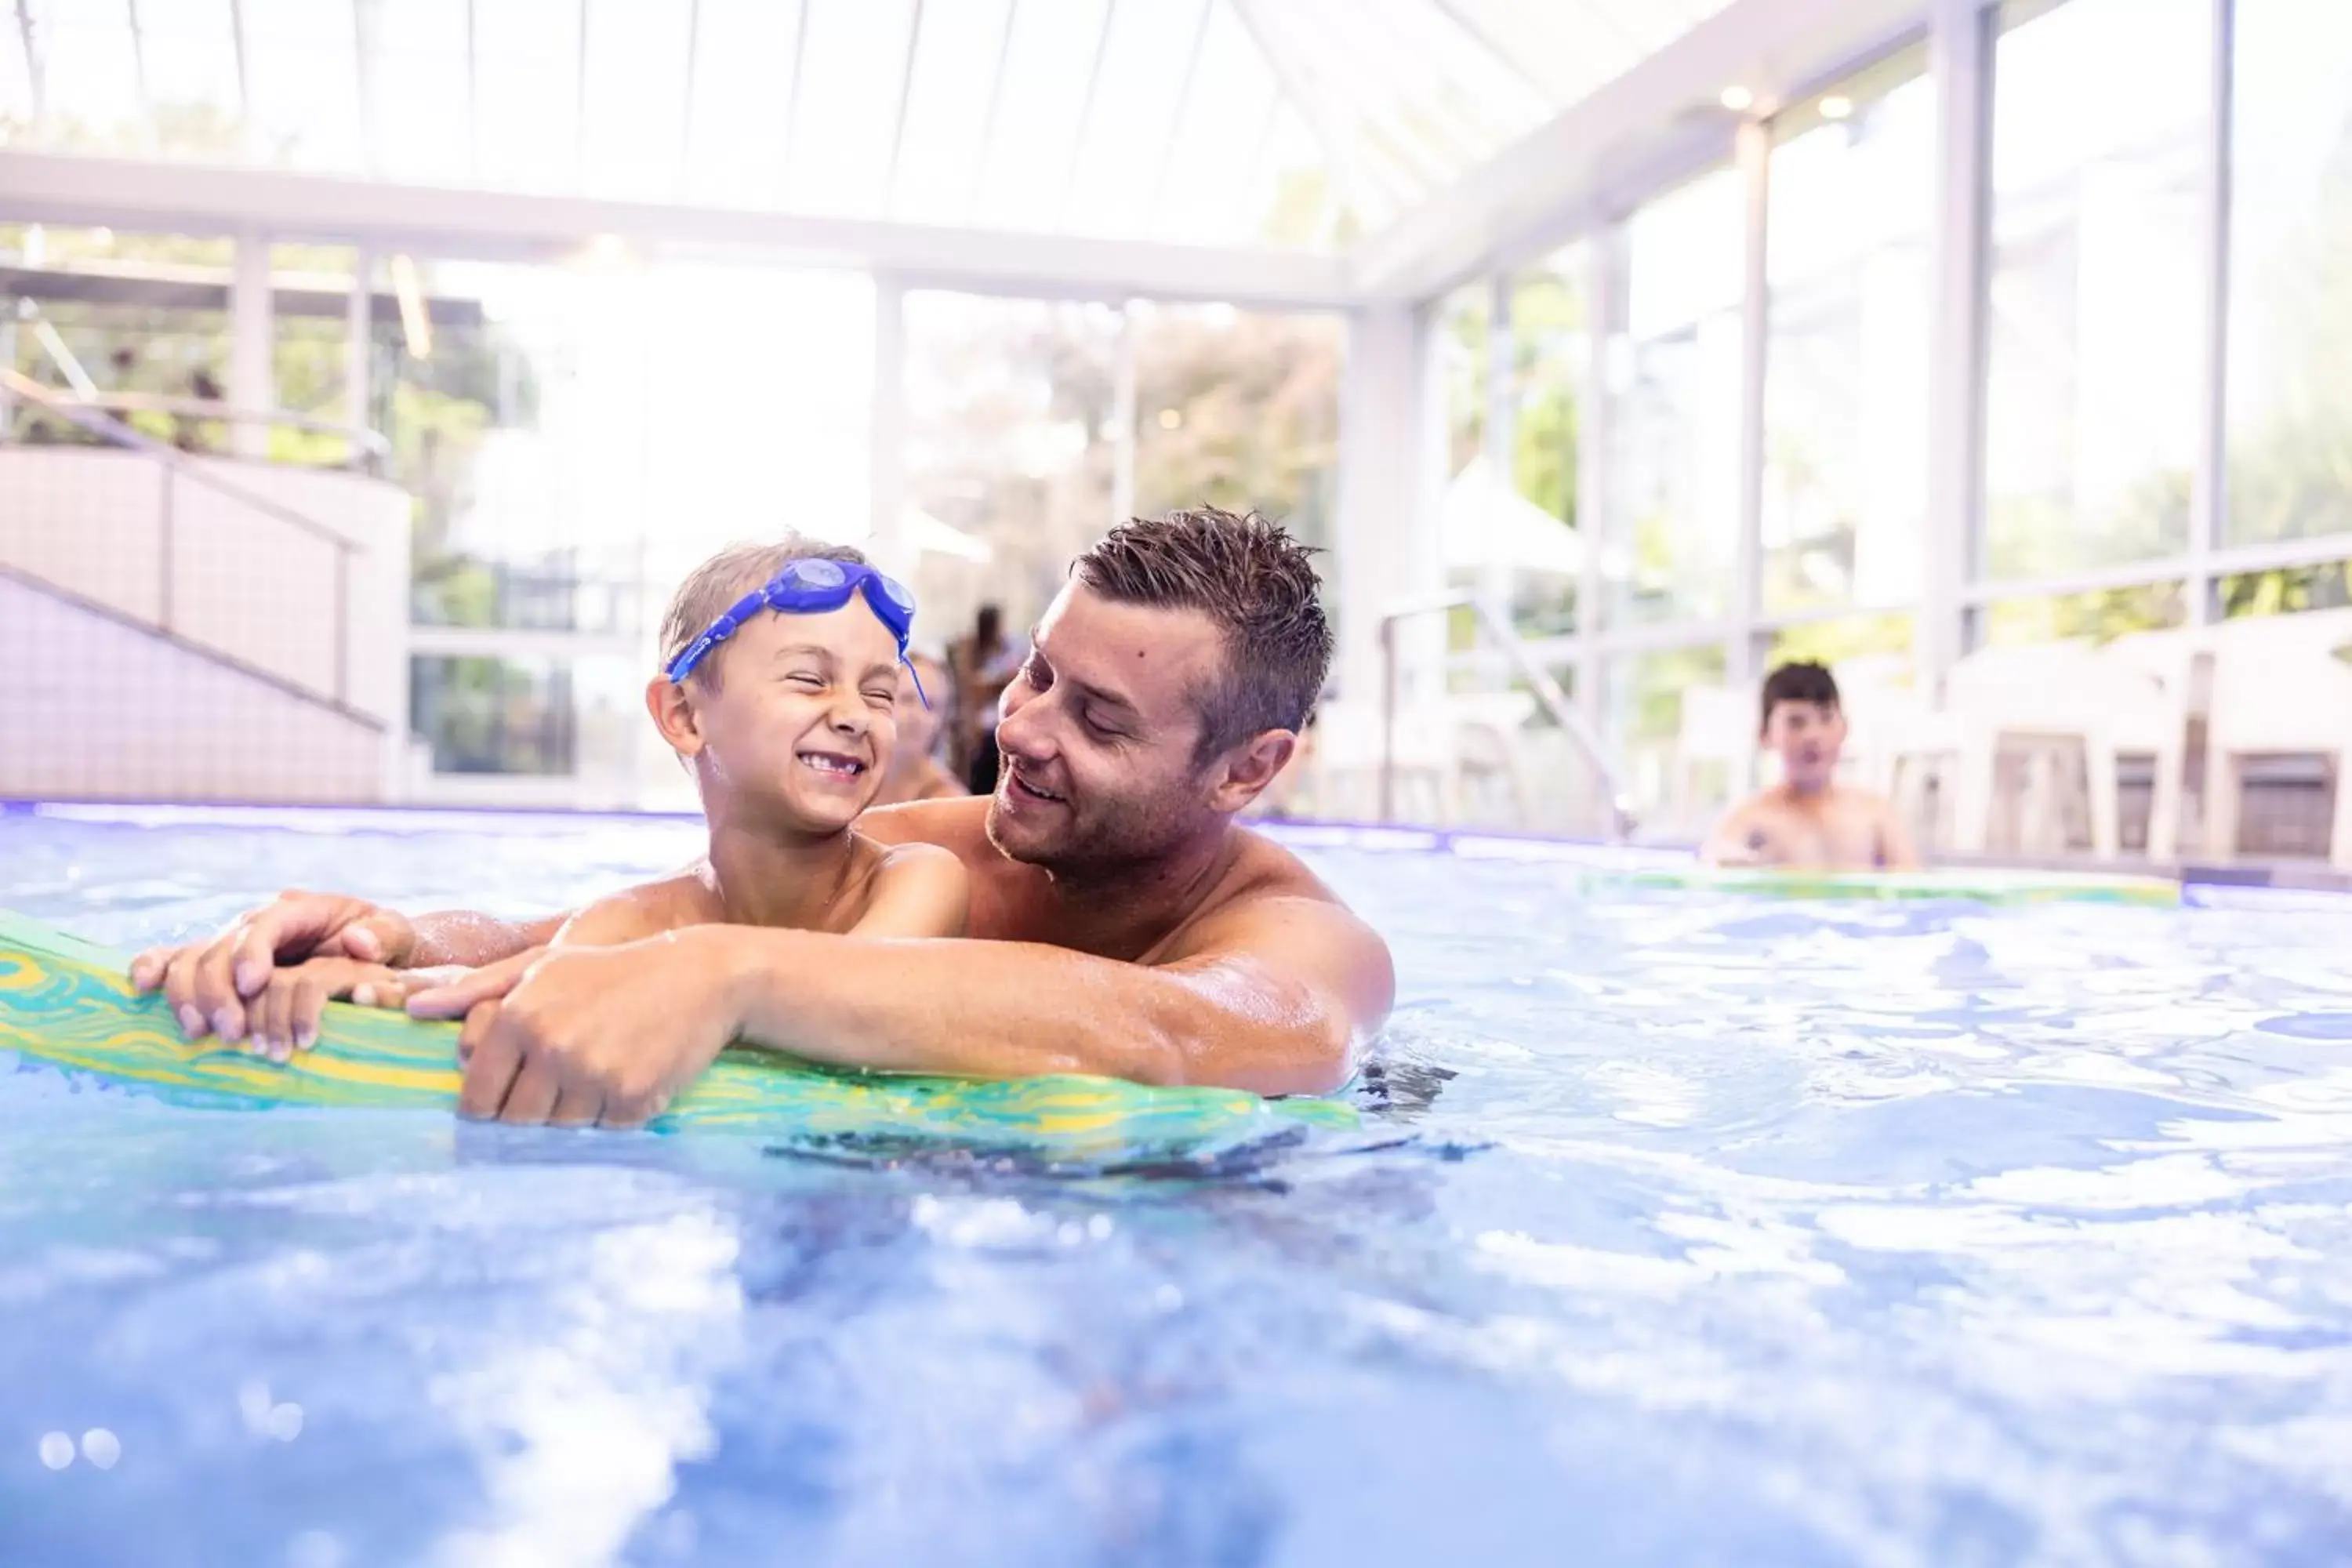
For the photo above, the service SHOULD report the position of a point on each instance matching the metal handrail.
(371, 442)
(177, 466)
(1547, 694)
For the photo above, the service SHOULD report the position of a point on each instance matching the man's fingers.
(471, 989)
(491, 1065)
(632, 1110)
(578, 1105)
(532, 1098)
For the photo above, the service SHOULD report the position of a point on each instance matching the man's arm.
(1274, 997)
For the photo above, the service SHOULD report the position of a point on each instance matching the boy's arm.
(920, 891)
(634, 913)
(1737, 840)
(1895, 850)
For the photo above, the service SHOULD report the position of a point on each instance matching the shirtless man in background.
(1131, 927)
(1808, 820)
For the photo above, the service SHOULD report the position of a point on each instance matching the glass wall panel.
(2290, 390)
(1884, 641)
(1549, 341)
(2288, 590)
(578, 437)
(1845, 389)
(493, 715)
(1641, 702)
(1238, 409)
(1011, 443)
(2101, 614)
(2095, 354)
(1674, 376)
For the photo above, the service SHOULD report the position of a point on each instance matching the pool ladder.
(1496, 627)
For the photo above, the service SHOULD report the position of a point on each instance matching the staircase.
(183, 627)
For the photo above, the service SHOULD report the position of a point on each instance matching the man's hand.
(209, 984)
(598, 1035)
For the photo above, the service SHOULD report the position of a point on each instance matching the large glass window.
(1549, 341)
(1238, 409)
(2095, 359)
(1011, 444)
(1641, 699)
(1845, 391)
(1674, 376)
(2290, 388)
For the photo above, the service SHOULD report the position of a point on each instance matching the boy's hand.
(208, 984)
(285, 1018)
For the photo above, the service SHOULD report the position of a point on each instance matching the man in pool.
(1808, 819)
(1132, 928)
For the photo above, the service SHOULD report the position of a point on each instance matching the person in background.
(983, 665)
(1808, 819)
(915, 772)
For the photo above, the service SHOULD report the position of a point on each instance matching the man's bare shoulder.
(1264, 869)
(1269, 891)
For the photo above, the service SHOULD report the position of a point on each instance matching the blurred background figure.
(915, 772)
(983, 665)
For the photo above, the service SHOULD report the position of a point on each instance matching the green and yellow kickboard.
(66, 1002)
(1980, 887)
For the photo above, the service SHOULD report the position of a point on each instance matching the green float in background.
(66, 1002)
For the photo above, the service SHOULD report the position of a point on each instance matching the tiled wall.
(93, 705)
(117, 713)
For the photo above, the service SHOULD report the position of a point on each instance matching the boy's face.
(802, 725)
(1808, 736)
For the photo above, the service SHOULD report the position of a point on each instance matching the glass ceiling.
(1299, 123)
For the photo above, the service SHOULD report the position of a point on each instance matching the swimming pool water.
(1690, 1228)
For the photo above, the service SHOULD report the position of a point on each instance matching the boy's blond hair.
(712, 588)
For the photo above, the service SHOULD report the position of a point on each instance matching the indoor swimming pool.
(1682, 1226)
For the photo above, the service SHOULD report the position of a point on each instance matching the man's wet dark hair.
(1802, 681)
(1256, 583)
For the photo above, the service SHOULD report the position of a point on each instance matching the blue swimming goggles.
(809, 587)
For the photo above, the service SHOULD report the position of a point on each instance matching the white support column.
(886, 538)
(251, 380)
(1122, 415)
(1501, 443)
(1753, 151)
(359, 345)
(2209, 494)
(1960, 61)
(1603, 298)
(1391, 441)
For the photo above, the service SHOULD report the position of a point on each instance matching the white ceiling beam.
(503, 225)
(1087, 108)
(1661, 115)
(35, 68)
(1167, 159)
(987, 122)
(139, 65)
(906, 102)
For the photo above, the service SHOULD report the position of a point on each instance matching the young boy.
(1808, 819)
(779, 688)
